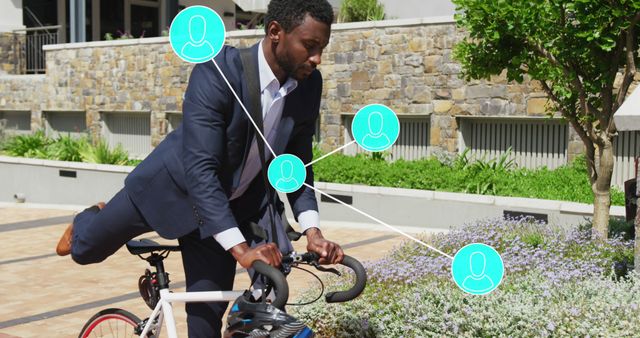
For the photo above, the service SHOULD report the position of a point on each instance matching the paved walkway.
(46, 295)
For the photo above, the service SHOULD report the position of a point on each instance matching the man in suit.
(202, 183)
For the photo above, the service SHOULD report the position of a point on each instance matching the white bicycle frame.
(164, 309)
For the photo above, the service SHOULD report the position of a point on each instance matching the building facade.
(130, 92)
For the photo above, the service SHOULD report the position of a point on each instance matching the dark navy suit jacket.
(185, 183)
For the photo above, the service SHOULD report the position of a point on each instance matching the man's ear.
(274, 32)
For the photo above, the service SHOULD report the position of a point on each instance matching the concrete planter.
(58, 182)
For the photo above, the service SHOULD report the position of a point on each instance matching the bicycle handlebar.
(348, 261)
(358, 286)
(278, 280)
(282, 288)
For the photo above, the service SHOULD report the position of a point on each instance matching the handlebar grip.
(356, 289)
(279, 282)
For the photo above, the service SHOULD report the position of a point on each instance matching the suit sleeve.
(206, 101)
(301, 145)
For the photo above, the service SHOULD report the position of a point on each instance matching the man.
(202, 184)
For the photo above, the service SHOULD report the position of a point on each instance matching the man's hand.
(268, 253)
(330, 252)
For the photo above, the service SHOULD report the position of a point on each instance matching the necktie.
(253, 165)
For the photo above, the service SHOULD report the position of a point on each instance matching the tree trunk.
(601, 188)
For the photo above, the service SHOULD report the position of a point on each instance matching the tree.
(577, 50)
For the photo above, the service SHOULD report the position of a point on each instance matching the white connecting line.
(378, 221)
(310, 163)
(331, 153)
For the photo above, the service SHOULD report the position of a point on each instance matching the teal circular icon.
(477, 269)
(287, 173)
(375, 127)
(197, 34)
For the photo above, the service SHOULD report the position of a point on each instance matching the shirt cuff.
(229, 238)
(308, 219)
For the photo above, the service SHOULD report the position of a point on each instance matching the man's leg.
(207, 267)
(97, 234)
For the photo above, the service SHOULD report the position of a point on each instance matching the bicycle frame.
(164, 309)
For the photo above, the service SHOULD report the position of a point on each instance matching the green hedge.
(65, 148)
(500, 178)
(461, 174)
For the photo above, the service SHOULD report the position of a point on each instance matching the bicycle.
(155, 291)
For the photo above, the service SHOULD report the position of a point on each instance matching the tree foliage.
(583, 53)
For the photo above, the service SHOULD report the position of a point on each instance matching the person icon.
(197, 34)
(477, 269)
(287, 182)
(197, 48)
(375, 127)
(478, 281)
(375, 138)
(287, 173)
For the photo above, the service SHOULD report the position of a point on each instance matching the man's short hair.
(290, 13)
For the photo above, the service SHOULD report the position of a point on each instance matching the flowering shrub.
(558, 282)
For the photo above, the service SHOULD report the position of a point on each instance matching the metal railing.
(36, 37)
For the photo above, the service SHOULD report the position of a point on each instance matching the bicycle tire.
(103, 323)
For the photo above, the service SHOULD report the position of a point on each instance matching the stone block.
(451, 68)
(537, 106)
(486, 91)
(431, 63)
(373, 52)
(392, 80)
(414, 60)
(344, 89)
(385, 67)
(421, 94)
(495, 107)
(426, 108)
(376, 95)
(434, 136)
(458, 94)
(442, 106)
(377, 81)
(417, 45)
(360, 80)
(343, 58)
(575, 147)
(452, 145)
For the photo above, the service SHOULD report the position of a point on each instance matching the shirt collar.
(267, 77)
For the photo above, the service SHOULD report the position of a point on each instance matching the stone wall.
(404, 64)
(12, 53)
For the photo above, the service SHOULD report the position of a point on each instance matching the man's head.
(297, 32)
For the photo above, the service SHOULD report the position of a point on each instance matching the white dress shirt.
(272, 96)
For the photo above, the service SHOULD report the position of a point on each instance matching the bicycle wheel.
(111, 323)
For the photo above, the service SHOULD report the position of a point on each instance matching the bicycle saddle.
(145, 245)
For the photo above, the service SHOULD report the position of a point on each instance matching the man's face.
(300, 50)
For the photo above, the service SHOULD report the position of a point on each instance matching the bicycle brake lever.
(323, 269)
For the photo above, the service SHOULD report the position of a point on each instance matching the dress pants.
(207, 266)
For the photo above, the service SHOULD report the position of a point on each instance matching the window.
(131, 129)
(72, 123)
(534, 142)
(412, 143)
(16, 122)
